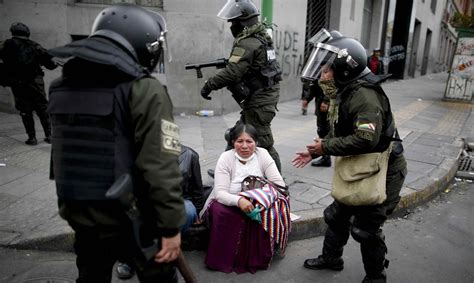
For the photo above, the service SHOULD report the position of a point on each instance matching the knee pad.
(363, 236)
(360, 235)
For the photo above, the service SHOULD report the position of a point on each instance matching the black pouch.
(240, 92)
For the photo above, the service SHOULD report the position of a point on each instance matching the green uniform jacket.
(248, 55)
(362, 116)
(157, 149)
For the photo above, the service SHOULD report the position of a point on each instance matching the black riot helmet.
(140, 32)
(323, 36)
(238, 9)
(20, 29)
(241, 13)
(346, 56)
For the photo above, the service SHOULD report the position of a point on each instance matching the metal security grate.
(317, 17)
(147, 3)
(465, 164)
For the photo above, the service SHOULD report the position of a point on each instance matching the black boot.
(124, 271)
(29, 123)
(324, 161)
(324, 263)
(381, 278)
(31, 141)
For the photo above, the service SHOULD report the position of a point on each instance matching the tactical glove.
(205, 91)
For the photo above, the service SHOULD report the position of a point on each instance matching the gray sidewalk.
(433, 131)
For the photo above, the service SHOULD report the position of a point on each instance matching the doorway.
(426, 53)
(414, 48)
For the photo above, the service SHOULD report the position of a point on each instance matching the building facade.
(415, 37)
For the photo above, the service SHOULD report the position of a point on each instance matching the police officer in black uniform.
(322, 124)
(252, 74)
(361, 122)
(110, 117)
(23, 59)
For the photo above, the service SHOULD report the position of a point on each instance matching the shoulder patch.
(364, 134)
(170, 137)
(237, 53)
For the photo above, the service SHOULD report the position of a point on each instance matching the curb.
(307, 227)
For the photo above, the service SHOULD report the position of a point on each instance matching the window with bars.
(317, 17)
(147, 3)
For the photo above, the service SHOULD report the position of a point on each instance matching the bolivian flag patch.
(365, 130)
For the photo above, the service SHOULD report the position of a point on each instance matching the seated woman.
(236, 242)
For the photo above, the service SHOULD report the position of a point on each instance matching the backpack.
(21, 57)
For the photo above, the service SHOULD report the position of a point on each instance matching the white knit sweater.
(230, 172)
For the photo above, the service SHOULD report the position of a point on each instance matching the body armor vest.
(92, 139)
(269, 74)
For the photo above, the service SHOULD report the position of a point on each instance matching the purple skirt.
(236, 243)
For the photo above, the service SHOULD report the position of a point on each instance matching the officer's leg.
(366, 230)
(40, 104)
(95, 256)
(337, 218)
(264, 141)
(395, 179)
(45, 122)
(322, 129)
(29, 123)
(261, 119)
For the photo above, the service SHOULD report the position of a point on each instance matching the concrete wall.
(195, 35)
(432, 22)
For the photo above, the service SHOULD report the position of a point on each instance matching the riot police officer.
(361, 122)
(23, 59)
(252, 74)
(111, 117)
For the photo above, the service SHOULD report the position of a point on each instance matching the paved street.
(433, 244)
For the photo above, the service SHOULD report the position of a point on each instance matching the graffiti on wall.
(397, 53)
(287, 45)
(462, 71)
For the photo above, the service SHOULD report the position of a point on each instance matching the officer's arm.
(45, 59)
(157, 144)
(239, 63)
(367, 123)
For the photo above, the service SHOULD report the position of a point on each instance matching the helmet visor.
(320, 37)
(230, 10)
(321, 56)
